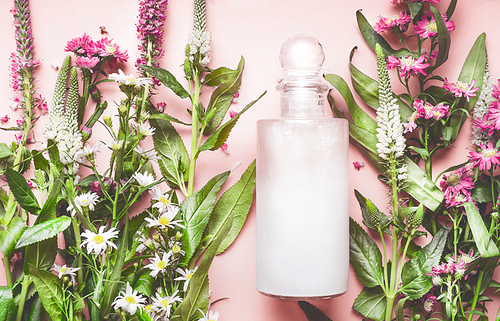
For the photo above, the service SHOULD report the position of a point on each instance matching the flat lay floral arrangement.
(449, 274)
(122, 259)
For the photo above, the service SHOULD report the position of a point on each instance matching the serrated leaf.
(5, 151)
(219, 137)
(196, 210)
(371, 303)
(313, 313)
(399, 310)
(144, 284)
(365, 256)
(234, 203)
(50, 290)
(482, 238)
(41, 254)
(43, 231)
(166, 78)
(8, 308)
(221, 97)
(22, 192)
(219, 76)
(10, 235)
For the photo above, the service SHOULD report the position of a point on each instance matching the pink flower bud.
(4, 119)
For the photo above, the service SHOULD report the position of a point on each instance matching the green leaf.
(371, 303)
(8, 308)
(365, 256)
(219, 137)
(443, 37)
(313, 313)
(415, 9)
(484, 243)
(22, 192)
(234, 203)
(372, 37)
(220, 100)
(36, 309)
(196, 210)
(359, 116)
(220, 75)
(41, 255)
(473, 69)
(367, 218)
(43, 231)
(50, 290)
(10, 235)
(5, 151)
(144, 284)
(399, 310)
(197, 296)
(174, 158)
(167, 118)
(167, 79)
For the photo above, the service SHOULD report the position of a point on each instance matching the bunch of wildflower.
(149, 31)
(482, 131)
(426, 111)
(408, 65)
(90, 54)
(427, 27)
(395, 23)
(199, 48)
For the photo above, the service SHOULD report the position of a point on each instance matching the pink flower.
(82, 46)
(428, 301)
(161, 106)
(4, 119)
(224, 148)
(235, 98)
(486, 157)
(458, 180)
(358, 165)
(232, 113)
(87, 62)
(408, 65)
(427, 27)
(105, 48)
(460, 88)
(399, 21)
(429, 111)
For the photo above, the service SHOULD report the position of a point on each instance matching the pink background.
(255, 29)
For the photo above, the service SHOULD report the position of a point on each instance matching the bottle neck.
(302, 97)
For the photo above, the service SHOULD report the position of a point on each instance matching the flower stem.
(79, 261)
(194, 136)
(22, 300)
(476, 293)
(8, 274)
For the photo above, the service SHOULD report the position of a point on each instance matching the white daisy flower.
(186, 276)
(86, 200)
(145, 244)
(129, 300)
(165, 219)
(98, 243)
(65, 270)
(121, 78)
(210, 316)
(90, 151)
(158, 264)
(147, 154)
(144, 179)
(163, 305)
(163, 203)
(145, 129)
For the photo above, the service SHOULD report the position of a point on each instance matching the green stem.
(476, 293)
(79, 260)
(194, 137)
(388, 308)
(8, 274)
(22, 300)
(386, 280)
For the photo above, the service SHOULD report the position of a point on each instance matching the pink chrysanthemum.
(82, 46)
(398, 21)
(429, 111)
(461, 89)
(486, 157)
(427, 27)
(458, 180)
(458, 199)
(105, 48)
(87, 62)
(408, 65)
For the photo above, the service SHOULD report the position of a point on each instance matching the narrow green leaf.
(484, 243)
(219, 76)
(359, 116)
(36, 309)
(313, 313)
(234, 203)
(50, 290)
(399, 310)
(7, 306)
(10, 235)
(196, 210)
(174, 158)
(22, 192)
(415, 8)
(372, 37)
(371, 303)
(473, 69)
(167, 118)
(167, 79)
(365, 256)
(219, 137)
(221, 97)
(451, 8)
(443, 37)
(43, 231)
(198, 292)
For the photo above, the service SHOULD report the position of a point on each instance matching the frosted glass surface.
(302, 208)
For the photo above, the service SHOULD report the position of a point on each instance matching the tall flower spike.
(199, 42)
(71, 112)
(478, 135)
(200, 19)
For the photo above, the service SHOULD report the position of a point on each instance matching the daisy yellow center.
(463, 86)
(162, 264)
(164, 220)
(130, 300)
(189, 276)
(164, 200)
(431, 26)
(110, 49)
(84, 202)
(165, 302)
(453, 180)
(408, 61)
(467, 259)
(490, 152)
(148, 307)
(63, 270)
(98, 239)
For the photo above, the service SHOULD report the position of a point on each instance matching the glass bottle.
(302, 186)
